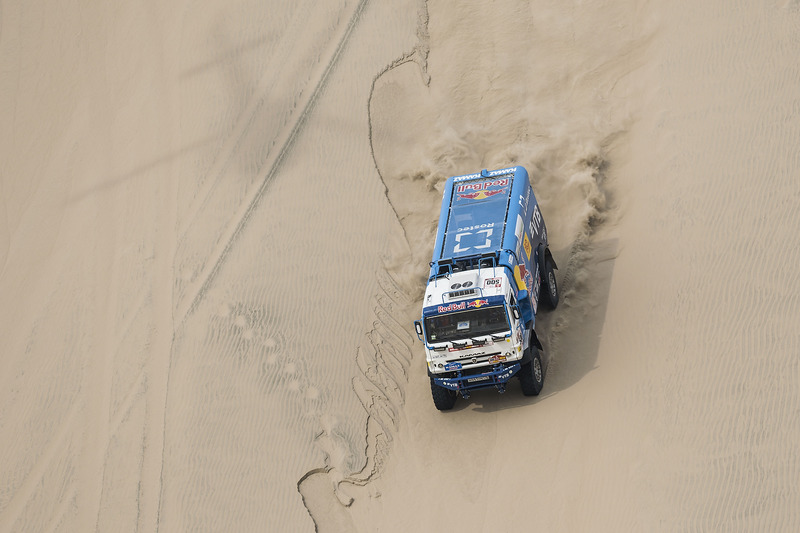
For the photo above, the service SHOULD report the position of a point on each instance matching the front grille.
(460, 294)
(466, 361)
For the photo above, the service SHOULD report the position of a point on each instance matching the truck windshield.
(466, 324)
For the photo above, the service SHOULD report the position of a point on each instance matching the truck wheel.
(550, 292)
(531, 375)
(443, 399)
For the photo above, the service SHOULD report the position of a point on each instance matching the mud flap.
(535, 340)
(525, 308)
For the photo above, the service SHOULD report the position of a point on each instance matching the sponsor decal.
(493, 283)
(458, 306)
(497, 358)
(523, 200)
(467, 177)
(481, 195)
(462, 324)
(477, 227)
(449, 383)
(482, 186)
(461, 305)
(519, 276)
(480, 378)
(508, 373)
(457, 347)
(523, 277)
(536, 221)
(480, 190)
(502, 171)
(452, 366)
(461, 248)
(526, 243)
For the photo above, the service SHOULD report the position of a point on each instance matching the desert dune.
(215, 229)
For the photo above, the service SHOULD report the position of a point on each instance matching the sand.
(215, 227)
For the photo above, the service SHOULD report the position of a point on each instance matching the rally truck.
(491, 269)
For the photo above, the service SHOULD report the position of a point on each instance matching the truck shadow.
(570, 334)
(489, 401)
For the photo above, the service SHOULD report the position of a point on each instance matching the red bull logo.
(523, 277)
(480, 190)
(482, 186)
(452, 307)
(482, 195)
(461, 306)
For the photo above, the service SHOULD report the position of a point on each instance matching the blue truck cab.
(490, 270)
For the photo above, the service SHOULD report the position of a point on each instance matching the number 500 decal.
(459, 248)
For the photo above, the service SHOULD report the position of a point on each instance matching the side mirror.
(418, 327)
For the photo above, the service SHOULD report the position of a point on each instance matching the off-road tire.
(549, 295)
(531, 375)
(443, 399)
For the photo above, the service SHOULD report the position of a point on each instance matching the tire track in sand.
(153, 468)
(243, 125)
(26, 491)
(286, 140)
(384, 359)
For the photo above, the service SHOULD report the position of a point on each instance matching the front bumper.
(463, 383)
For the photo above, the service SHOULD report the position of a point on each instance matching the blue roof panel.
(477, 215)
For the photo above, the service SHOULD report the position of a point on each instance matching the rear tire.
(549, 294)
(443, 399)
(531, 375)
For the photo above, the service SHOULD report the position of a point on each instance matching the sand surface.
(215, 227)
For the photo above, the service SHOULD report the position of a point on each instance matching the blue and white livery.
(490, 263)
